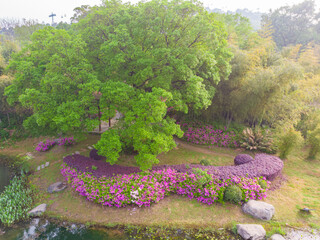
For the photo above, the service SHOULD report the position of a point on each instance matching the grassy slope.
(301, 190)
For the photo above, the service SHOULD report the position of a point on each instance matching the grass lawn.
(302, 189)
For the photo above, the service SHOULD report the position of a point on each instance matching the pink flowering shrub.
(208, 135)
(45, 145)
(145, 188)
(68, 141)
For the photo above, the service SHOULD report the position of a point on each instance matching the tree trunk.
(8, 119)
(109, 122)
(99, 116)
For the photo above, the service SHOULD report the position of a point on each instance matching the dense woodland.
(145, 59)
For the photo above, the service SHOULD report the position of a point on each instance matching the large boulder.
(251, 231)
(259, 209)
(56, 187)
(38, 211)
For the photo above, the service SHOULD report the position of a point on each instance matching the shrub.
(314, 141)
(208, 135)
(288, 141)
(257, 140)
(233, 194)
(15, 201)
(68, 141)
(242, 159)
(263, 184)
(204, 162)
(94, 167)
(45, 145)
(94, 155)
(145, 188)
(205, 178)
(264, 165)
(3, 134)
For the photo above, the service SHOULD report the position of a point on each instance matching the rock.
(37, 211)
(251, 231)
(2, 232)
(90, 147)
(38, 168)
(259, 209)
(56, 187)
(77, 152)
(29, 155)
(277, 237)
(42, 166)
(47, 164)
(294, 234)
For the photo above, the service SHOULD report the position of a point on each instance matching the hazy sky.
(41, 9)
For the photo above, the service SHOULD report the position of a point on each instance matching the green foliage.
(3, 134)
(109, 145)
(276, 230)
(94, 167)
(15, 201)
(263, 184)
(314, 142)
(257, 140)
(49, 76)
(294, 24)
(259, 88)
(136, 59)
(289, 140)
(204, 162)
(180, 48)
(233, 194)
(204, 179)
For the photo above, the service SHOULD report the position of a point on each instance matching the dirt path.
(201, 149)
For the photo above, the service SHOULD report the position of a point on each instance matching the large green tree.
(50, 75)
(137, 59)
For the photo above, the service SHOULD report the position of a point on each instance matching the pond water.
(42, 229)
(4, 176)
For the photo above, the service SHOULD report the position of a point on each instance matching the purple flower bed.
(264, 165)
(142, 189)
(207, 135)
(45, 145)
(94, 155)
(242, 159)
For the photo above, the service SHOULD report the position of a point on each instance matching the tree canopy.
(137, 59)
(297, 24)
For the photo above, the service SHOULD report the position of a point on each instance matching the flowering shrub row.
(45, 145)
(264, 165)
(207, 135)
(66, 141)
(48, 144)
(145, 188)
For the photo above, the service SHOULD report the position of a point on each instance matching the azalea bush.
(208, 135)
(45, 145)
(145, 188)
(68, 141)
